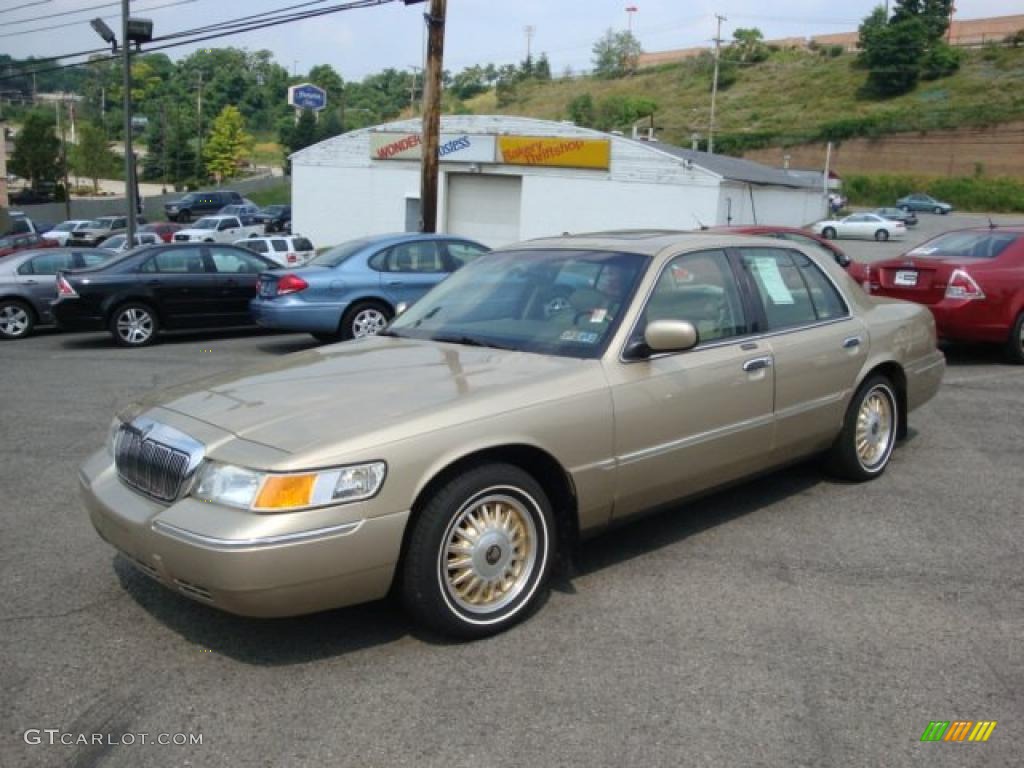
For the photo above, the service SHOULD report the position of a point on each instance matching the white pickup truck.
(219, 229)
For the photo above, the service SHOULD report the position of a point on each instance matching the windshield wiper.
(469, 341)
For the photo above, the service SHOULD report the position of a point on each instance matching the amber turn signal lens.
(286, 491)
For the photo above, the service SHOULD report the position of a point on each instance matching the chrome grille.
(148, 466)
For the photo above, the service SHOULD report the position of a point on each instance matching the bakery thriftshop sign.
(510, 150)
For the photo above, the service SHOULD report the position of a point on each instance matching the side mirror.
(402, 306)
(670, 336)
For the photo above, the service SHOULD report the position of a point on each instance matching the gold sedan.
(540, 394)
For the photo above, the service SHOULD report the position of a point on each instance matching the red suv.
(971, 279)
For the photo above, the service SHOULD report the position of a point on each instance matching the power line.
(63, 13)
(76, 23)
(25, 5)
(237, 28)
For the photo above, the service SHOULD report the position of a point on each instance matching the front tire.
(134, 325)
(16, 319)
(480, 552)
(864, 447)
(1015, 342)
(362, 319)
(829, 233)
(939, 210)
(881, 235)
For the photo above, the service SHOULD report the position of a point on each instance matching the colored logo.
(958, 730)
(307, 96)
(564, 153)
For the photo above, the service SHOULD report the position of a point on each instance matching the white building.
(504, 179)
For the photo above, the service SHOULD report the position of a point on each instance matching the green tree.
(898, 51)
(228, 144)
(616, 54)
(747, 46)
(542, 68)
(581, 110)
(297, 134)
(91, 156)
(324, 76)
(36, 155)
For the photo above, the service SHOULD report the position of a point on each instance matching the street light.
(136, 31)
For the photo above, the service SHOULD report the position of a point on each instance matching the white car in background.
(63, 231)
(118, 243)
(867, 226)
(219, 229)
(286, 250)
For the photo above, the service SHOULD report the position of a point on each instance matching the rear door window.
(784, 294)
(176, 261)
(235, 262)
(280, 246)
(303, 244)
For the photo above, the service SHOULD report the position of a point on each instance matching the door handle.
(852, 342)
(152, 282)
(394, 283)
(31, 282)
(757, 364)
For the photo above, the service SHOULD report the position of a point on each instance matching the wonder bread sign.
(509, 150)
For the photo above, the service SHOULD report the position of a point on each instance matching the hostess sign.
(510, 150)
(307, 96)
(560, 153)
(453, 147)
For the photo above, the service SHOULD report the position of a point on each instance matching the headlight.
(272, 492)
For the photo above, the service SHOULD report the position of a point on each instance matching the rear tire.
(864, 447)
(16, 319)
(1015, 342)
(480, 552)
(881, 235)
(829, 233)
(134, 325)
(362, 319)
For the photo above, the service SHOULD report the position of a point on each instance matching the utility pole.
(714, 84)
(62, 128)
(630, 10)
(130, 188)
(529, 29)
(412, 88)
(199, 123)
(949, 29)
(432, 115)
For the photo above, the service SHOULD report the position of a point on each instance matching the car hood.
(370, 392)
(200, 232)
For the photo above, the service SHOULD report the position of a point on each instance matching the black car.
(897, 214)
(161, 287)
(197, 204)
(277, 218)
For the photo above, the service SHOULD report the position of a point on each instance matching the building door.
(484, 207)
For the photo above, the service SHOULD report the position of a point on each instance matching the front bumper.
(242, 562)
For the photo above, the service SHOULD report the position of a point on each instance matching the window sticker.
(598, 315)
(581, 337)
(771, 279)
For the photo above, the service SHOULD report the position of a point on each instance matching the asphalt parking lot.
(791, 621)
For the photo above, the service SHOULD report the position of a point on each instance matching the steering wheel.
(556, 305)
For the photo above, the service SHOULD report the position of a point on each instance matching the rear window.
(303, 244)
(340, 253)
(966, 245)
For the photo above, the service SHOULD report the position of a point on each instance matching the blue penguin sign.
(307, 96)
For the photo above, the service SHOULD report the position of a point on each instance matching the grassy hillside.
(793, 97)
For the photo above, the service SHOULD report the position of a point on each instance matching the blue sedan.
(353, 290)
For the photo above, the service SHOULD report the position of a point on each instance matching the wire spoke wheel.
(489, 553)
(875, 428)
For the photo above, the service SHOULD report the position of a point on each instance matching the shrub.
(940, 61)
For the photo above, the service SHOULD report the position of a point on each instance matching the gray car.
(28, 285)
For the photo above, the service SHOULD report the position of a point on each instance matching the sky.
(360, 42)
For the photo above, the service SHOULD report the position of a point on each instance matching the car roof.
(643, 241)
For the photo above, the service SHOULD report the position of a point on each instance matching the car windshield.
(206, 224)
(114, 242)
(558, 302)
(94, 224)
(966, 245)
(274, 209)
(67, 226)
(340, 253)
